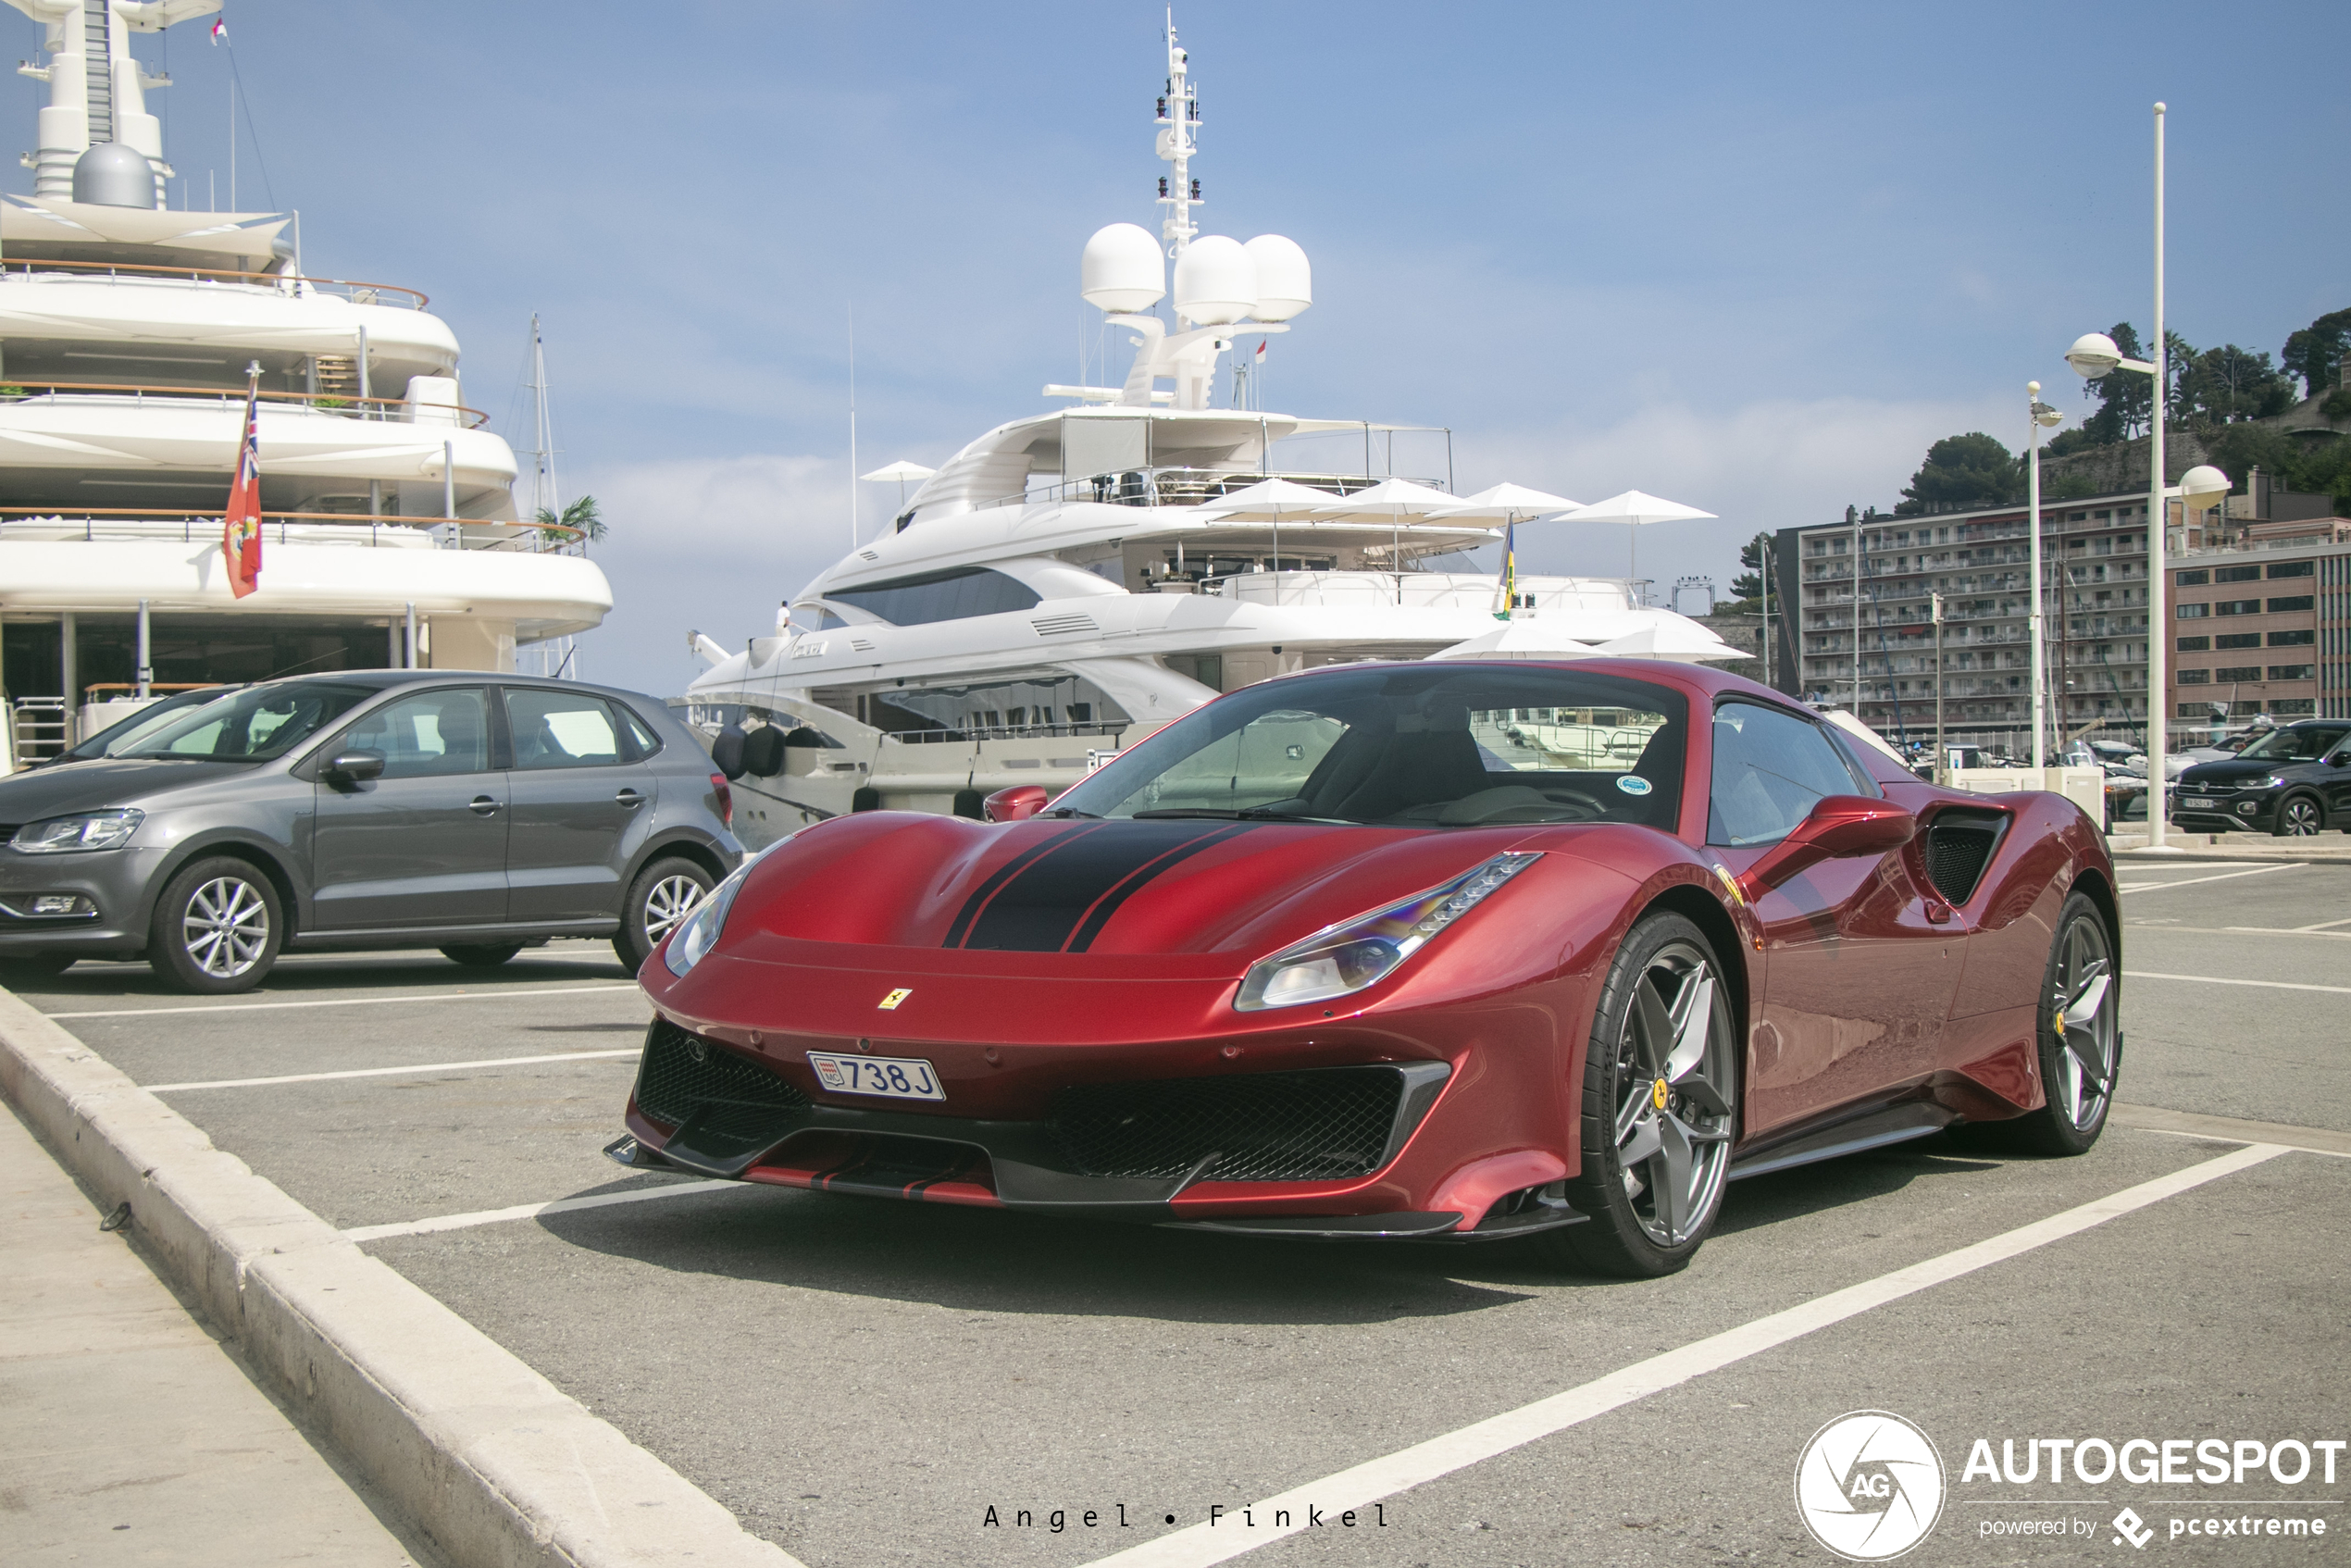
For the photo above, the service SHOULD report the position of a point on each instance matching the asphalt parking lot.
(862, 1382)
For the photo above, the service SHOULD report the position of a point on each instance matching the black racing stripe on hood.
(1003, 874)
(1041, 906)
(1108, 904)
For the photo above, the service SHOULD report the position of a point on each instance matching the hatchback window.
(427, 734)
(561, 729)
(250, 725)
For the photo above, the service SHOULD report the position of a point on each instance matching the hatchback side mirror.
(1016, 802)
(1839, 826)
(356, 767)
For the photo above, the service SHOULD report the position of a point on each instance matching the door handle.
(631, 799)
(482, 805)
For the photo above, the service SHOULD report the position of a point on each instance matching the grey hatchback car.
(475, 812)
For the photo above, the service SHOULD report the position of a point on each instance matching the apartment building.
(2262, 627)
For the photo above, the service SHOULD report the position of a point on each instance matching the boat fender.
(727, 752)
(764, 751)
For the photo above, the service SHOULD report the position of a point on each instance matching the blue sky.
(1752, 258)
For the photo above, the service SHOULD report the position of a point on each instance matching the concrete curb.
(2263, 854)
(492, 1461)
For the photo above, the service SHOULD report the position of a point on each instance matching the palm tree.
(581, 515)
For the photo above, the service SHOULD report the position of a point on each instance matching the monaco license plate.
(892, 1078)
(2198, 803)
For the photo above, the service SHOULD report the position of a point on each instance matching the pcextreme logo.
(1868, 1486)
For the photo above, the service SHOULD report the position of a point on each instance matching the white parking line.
(1201, 1545)
(350, 1001)
(2219, 980)
(2323, 926)
(390, 1072)
(560, 1206)
(2192, 881)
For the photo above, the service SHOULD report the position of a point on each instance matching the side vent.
(1062, 625)
(868, 555)
(1960, 842)
(859, 645)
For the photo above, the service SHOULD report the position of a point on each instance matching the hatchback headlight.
(1341, 959)
(92, 830)
(2265, 782)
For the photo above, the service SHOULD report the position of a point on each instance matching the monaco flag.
(241, 528)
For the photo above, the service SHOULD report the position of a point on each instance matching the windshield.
(121, 737)
(2303, 742)
(250, 725)
(1411, 745)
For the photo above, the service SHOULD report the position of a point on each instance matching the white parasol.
(1671, 637)
(1504, 502)
(1519, 640)
(1636, 509)
(1268, 498)
(901, 471)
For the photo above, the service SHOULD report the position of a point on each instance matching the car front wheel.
(663, 894)
(1659, 1106)
(2299, 816)
(218, 928)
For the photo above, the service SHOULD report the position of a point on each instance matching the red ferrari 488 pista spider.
(1449, 951)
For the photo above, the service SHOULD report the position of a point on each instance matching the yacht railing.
(969, 733)
(292, 287)
(385, 529)
(380, 409)
(1182, 487)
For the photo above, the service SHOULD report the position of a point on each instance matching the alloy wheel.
(669, 902)
(2083, 1011)
(1674, 1088)
(225, 926)
(2299, 816)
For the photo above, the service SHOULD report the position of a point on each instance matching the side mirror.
(356, 767)
(2340, 759)
(1016, 802)
(1840, 827)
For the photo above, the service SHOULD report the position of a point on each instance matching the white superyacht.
(1071, 580)
(129, 332)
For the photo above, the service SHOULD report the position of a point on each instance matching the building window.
(2282, 606)
(2292, 672)
(2195, 612)
(2195, 677)
(2293, 639)
(2237, 674)
(2295, 707)
(2241, 607)
(2193, 580)
(2195, 645)
(2237, 573)
(2239, 640)
(2291, 569)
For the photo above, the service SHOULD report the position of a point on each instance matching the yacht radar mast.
(1178, 113)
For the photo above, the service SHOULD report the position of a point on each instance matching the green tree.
(2237, 450)
(2230, 383)
(1749, 584)
(1961, 473)
(580, 515)
(2315, 353)
(2123, 396)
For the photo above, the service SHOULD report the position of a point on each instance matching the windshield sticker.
(1632, 783)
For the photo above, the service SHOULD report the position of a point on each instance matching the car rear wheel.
(663, 894)
(2081, 1044)
(2299, 816)
(1659, 1106)
(218, 928)
(487, 955)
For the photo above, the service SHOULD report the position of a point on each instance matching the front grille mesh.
(742, 1106)
(1320, 1126)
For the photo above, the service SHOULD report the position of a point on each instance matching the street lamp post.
(2038, 415)
(1942, 754)
(2092, 355)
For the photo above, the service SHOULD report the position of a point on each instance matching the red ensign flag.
(241, 528)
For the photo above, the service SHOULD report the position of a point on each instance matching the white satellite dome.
(1284, 281)
(1215, 282)
(1121, 269)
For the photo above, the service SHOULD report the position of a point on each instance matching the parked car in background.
(469, 812)
(2179, 762)
(2293, 781)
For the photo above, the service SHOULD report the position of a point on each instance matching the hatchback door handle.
(482, 805)
(629, 797)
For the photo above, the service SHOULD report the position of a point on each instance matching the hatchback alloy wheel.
(667, 901)
(226, 928)
(2299, 816)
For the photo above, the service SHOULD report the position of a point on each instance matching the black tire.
(1651, 1086)
(218, 928)
(486, 955)
(657, 901)
(2300, 815)
(2081, 1042)
(33, 967)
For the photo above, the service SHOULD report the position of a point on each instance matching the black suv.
(2291, 781)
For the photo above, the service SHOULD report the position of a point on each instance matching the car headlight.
(2266, 782)
(92, 830)
(1347, 957)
